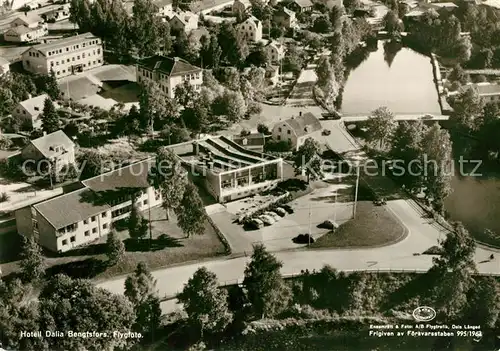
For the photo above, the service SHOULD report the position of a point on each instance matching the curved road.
(422, 234)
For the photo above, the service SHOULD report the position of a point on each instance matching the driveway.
(400, 256)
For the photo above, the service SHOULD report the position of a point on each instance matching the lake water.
(392, 76)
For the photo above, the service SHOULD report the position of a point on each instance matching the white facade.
(185, 21)
(4, 66)
(26, 29)
(65, 56)
(275, 51)
(250, 29)
(169, 80)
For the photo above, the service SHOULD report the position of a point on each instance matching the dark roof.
(70, 208)
(253, 139)
(305, 124)
(284, 12)
(46, 144)
(133, 176)
(168, 65)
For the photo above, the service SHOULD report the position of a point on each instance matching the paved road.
(422, 235)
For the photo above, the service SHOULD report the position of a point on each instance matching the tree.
(115, 249)
(438, 165)
(322, 24)
(137, 225)
(140, 290)
(32, 261)
(50, 118)
(263, 129)
(324, 71)
(307, 161)
(169, 177)
(77, 305)
(91, 163)
(258, 57)
(149, 31)
(483, 302)
(205, 303)
(191, 212)
(467, 110)
(155, 106)
(185, 93)
(393, 25)
(351, 5)
(261, 10)
(380, 125)
(453, 270)
(210, 52)
(5, 143)
(266, 290)
(406, 148)
(234, 49)
(458, 74)
(230, 103)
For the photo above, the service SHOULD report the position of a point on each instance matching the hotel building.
(65, 56)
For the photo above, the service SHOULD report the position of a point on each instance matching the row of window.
(86, 233)
(279, 138)
(77, 57)
(57, 73)
(191, 76)
(74, 47)
(287, 132)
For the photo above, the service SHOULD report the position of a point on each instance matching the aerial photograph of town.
(249, 175)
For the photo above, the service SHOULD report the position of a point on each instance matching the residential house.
(165, 7)
(87, 213)
(240, 7)
(28, 112)
(253, 141)
(4, 66)
(301, 6)
(285, 18)
(297, 129)
(169, 73)
(227, 170)
(65, 56)
(56, 14)
(184, 21)
(275, 51)
(250, 29)
(331, 3)
(26, 29)
(56, 148)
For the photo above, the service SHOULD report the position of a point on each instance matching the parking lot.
(309, 211)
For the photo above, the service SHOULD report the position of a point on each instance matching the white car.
(274, 215)
(280, 211)
(267, 219)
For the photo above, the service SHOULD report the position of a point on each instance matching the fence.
(234, 282)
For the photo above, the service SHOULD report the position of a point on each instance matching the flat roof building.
(66, 56)
(227, 170)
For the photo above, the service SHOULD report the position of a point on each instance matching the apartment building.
(250, 29)
(87, 213)
(227, 170)
(297, 129)
(169, 72)
(66, 56)
(26, 29)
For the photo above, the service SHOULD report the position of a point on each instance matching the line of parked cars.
(269, 217)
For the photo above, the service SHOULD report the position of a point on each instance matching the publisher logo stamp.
(424, 314)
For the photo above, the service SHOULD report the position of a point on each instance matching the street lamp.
(357, 165)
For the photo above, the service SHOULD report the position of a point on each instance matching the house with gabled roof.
(26, 29)
(275, 51)
(297, 129)
(301, 6)
(169, 72)
(29, 111)
(284, 17)
(87, 213)
(184, 21)
(250, 29)
(56, 147)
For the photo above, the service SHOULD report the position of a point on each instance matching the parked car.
(256, 223)
(280, 211)
(379, 202)
(267, 220)
(332, 115)
(426, 117)
(288, 208)
(326, 132)
(303, 239)
(273, 215)
(328, 224)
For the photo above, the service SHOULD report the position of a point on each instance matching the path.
(487, 71)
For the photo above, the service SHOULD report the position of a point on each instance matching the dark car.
(328, 224)
(326, 132)
(303, 239)
(331, 115)
(380, 202)
(287, 208)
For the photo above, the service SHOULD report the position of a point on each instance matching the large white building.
(227, 170)
(88, 212)
(169, 72)
(66, 56)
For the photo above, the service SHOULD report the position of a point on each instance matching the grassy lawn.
(168, 247)
(373, 226)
